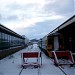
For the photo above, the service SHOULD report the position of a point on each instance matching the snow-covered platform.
(11, 65)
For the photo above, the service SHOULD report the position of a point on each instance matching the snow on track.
(11, 65)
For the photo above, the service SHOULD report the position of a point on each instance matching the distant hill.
(34, 40)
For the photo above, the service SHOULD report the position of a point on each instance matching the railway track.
(39, 73)
(62, 70)
(21, 71)
(38, 69)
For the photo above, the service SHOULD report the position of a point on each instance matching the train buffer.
(63, 57)
(27, 55)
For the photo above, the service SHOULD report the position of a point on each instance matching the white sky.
(37, 17)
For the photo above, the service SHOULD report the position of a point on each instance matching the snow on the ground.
(11, 65)
(68, 69)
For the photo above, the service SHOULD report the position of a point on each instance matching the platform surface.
(11, 65)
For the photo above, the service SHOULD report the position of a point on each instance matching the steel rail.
(21, 71)
(62, 70)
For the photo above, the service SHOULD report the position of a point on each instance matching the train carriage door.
(61, 42)
(56, 43)
(72, 44)
(50, 43)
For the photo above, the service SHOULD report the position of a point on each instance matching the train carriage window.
(8, 40)
(0, 35)
(6, 37)
(50, 41)
(0, 40)
(13, 41)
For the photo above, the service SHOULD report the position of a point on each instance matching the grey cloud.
(9, 18)
(41, 28)
(62, 7)
(0, 17)
(24, 9)
(16, 6)
(13, 17)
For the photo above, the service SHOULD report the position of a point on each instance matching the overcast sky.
(35, 18)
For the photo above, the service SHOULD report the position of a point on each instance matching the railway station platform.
(11, 65)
